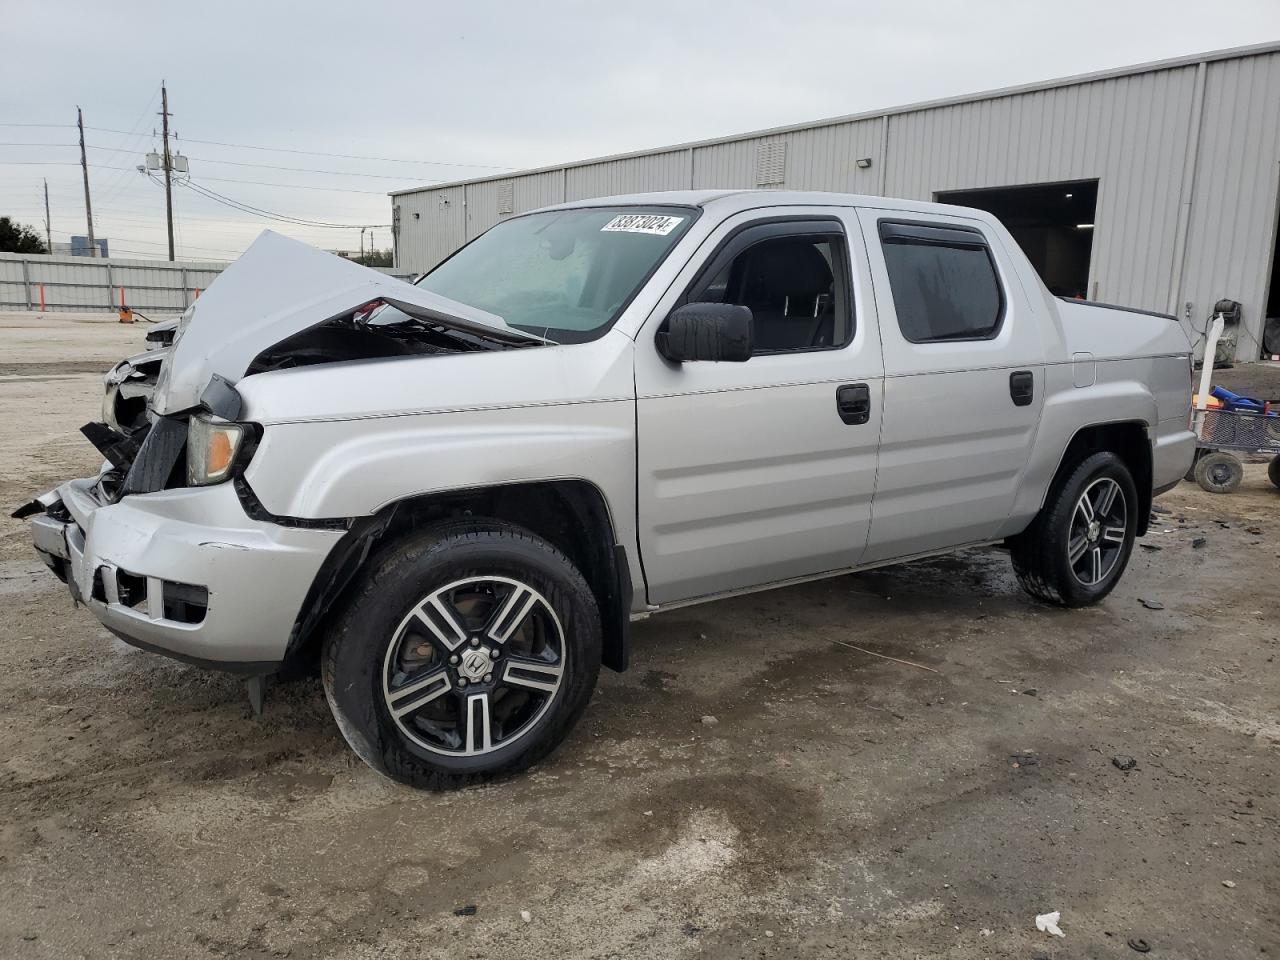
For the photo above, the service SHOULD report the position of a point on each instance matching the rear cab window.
(944, 281)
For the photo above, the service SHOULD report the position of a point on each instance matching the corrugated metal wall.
(655, 171)
(1233, 207)
(1127, 133)
(1187, 159)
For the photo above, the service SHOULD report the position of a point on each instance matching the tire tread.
(398, 764)
(1035, 551)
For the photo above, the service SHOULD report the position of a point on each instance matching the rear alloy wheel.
(1096, 539)
(1076, 549)
(466, 652)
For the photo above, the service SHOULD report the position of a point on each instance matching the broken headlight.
(211, 449)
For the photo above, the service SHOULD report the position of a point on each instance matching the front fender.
(353, 468)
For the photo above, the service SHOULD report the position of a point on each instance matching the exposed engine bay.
(374, 331)
(172, 416)
(146, 452)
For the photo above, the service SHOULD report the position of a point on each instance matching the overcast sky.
(465, 90)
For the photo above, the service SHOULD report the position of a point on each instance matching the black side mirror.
(707, 331)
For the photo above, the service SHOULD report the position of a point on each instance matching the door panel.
(747, 472)
(954, 444)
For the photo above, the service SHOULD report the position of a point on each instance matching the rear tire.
(1219, 472)
(1076, 549)
(467, 652)
(1273, 471)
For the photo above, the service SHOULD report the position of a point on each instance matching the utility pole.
(48, 232)
(84, 166)
(168, 165)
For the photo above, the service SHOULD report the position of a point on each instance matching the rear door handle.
(853, 403)
(1022, 387)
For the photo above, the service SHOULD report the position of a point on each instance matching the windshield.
(566, 274)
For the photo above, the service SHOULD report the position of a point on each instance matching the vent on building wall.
(771, 163)
(506, 197)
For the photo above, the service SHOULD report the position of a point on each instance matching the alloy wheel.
(1096, 538)
(473, 666)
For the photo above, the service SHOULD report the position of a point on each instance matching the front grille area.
(131, 589)
(161, 461)
(151, 597)
(184, 602)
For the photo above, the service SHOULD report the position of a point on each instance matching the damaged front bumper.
(184, 572)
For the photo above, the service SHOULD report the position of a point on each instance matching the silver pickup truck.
(454, 496)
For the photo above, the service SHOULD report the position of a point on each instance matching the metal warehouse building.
(1155, 186)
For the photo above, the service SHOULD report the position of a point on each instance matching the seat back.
(789, 287)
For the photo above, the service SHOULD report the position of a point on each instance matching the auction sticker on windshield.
(642, 223)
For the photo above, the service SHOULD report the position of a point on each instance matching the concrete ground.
(840, 805)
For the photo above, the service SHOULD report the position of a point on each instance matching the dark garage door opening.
(1052, 222)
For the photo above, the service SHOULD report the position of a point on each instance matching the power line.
(295, 186)
(259, 211)
(119, 181)
(249, 208)
(346, 156)
(260, 183)
(234, 163)
(310, 153)
(237, 163)
(337, 173)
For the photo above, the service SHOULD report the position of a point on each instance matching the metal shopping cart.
(1234, 425)
(1223, 435)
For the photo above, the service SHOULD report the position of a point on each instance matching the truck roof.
(731, 201)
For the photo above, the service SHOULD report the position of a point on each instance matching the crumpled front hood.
(280, 287)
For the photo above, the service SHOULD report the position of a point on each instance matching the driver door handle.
(853, 403)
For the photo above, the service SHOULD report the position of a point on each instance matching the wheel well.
(1130, 442)
(571, 515)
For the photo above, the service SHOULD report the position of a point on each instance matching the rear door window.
(944, 281)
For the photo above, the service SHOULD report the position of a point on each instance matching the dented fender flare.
(609, 578)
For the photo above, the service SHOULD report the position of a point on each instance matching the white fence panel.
(36, 281)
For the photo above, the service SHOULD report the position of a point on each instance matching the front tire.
(467, 652)
(1078, 546)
